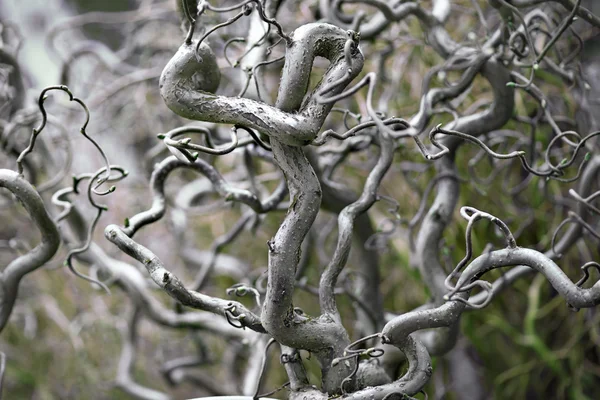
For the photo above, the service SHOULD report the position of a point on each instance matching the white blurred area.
(34, 18)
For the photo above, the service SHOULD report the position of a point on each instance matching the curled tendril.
(515, 11)
(247, 9)
(357, 354)
(226, 46)
(370, 79)
(555, 172)
(285, 358)
(36, 131)
(230, 316)
(347, 114)
(586, 273)
(518, 44)
(100, 208)
(319, 141)
(347, 380)
(255, 75)
(241, 290)
(270, 48)
(444, 150)
(473, 215)
(181, 148)
(567, 162)
(57, 197)
(230, 21)
(484, 285)
(255, 137)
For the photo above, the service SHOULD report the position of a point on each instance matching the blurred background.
(65, 337)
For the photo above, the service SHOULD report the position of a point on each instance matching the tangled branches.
(368, 124)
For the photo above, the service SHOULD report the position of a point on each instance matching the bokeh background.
(64, 341)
